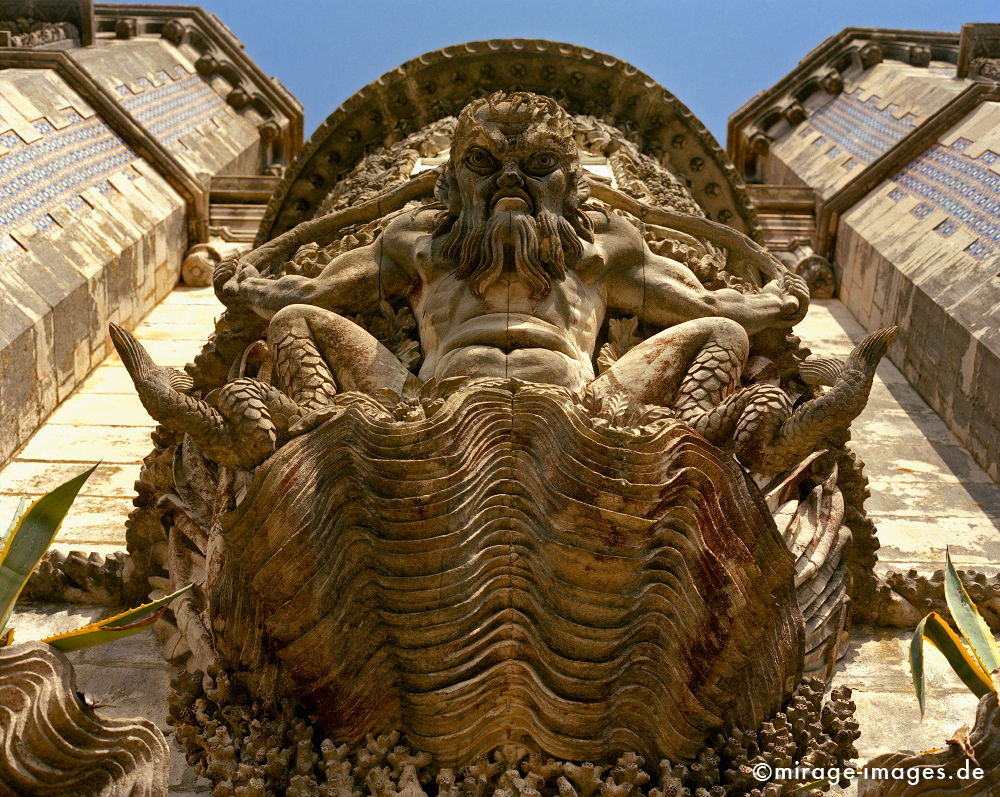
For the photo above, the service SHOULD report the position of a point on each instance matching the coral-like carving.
(915, 595)
(244, 745)
(51, 743)
(77, 578)
(966, 750)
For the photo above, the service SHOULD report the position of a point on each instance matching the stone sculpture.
(525, 525)
(513, 190)
(55, 744)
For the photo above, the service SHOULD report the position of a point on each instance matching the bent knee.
(719, 331)
(732, 335)
(293, 313)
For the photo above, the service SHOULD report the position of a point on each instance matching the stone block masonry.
(843, 134)
(923, 250)
(158, 85)
(89, 233)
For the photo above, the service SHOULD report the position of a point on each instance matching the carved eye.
(542, 163)
(479, 160)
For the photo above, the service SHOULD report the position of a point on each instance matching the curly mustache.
(540, 247)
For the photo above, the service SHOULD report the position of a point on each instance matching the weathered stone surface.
(108, 152)
(516, 574)
(55, 744)
(83, 275)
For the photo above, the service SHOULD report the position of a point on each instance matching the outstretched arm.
(664, 292)
(349, 283)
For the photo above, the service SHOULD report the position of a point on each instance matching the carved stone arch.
(438, 84)
(807, 89)
(843, 61)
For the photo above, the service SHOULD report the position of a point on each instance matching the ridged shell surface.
(51, 744)
(511, 569)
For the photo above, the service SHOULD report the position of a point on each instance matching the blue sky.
(712, 55)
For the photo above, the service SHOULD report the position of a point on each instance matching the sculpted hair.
(513, 114)
(542, 245)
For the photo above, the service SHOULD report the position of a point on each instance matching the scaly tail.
(756, 411)
(240, 434)
(806, 428)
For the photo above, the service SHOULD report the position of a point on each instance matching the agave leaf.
(18, 514)
(935, 630)
(129, 622)
(969, 621)
(30, 538)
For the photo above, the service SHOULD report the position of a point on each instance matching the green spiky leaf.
(18, 514)
(935, 630)
(968, 619)
(29, 538)
(121, 625)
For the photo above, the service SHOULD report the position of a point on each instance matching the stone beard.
(540, 246)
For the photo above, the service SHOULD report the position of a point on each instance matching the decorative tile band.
(53, 171)
(965, 188)
(174, 109)
(860, 128)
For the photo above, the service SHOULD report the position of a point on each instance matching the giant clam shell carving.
(52, 744)
(507, 570)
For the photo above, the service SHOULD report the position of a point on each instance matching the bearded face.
(516, 173)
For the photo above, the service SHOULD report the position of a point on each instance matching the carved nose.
(510, 177)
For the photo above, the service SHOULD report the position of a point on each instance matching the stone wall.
(158, 85)
(894, 132)
(89, 233)
(110, 140)
(923, 250)
(876, 109)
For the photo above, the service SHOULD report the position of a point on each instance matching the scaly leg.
(315, 351)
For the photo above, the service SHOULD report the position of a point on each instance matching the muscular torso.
(505, 332)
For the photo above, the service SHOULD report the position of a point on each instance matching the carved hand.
(794, 293)
(250, 286)
(223, 280)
